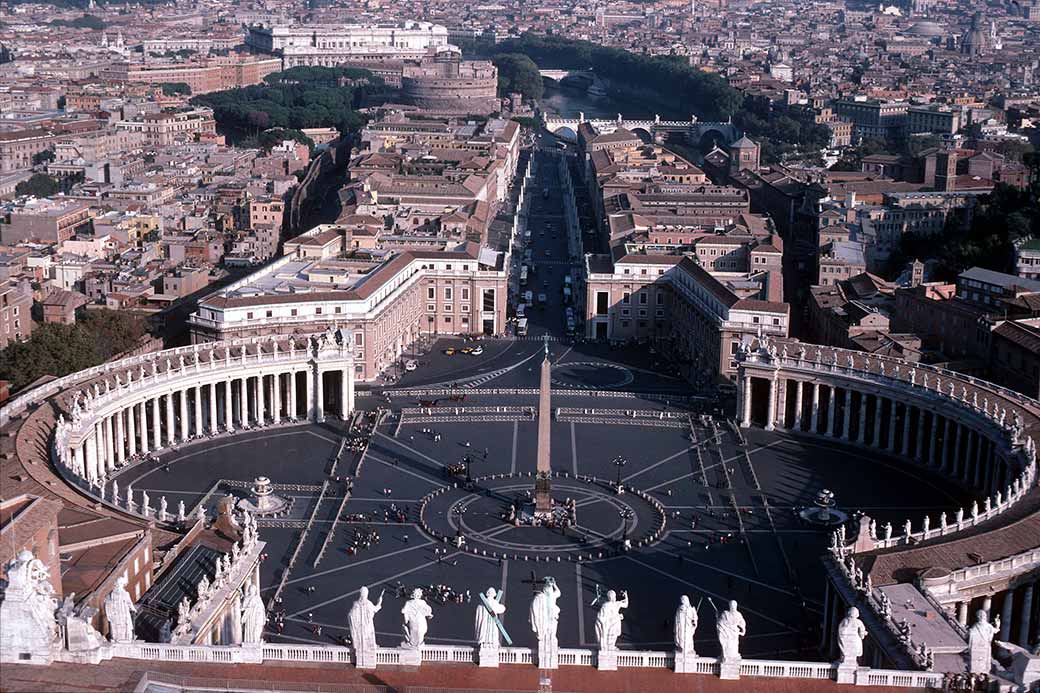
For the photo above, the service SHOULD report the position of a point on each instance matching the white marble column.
(892, 424)
(745, 416)
(198, 429)
(156, 424)
(92, 455)
(276, 396)
(919, 448)
(861, 434)
(80, 461)
(319, 396)
(185, 428)
(171, 420)
(143, 431)
(346, 394)
(832, 407)
(243, 402)
(309, 383)
(260, 399)
(771, 413)
(1026, 622)
(797, 405)
(120, 439)
(907, 411)
(846, 420)
(213, 408)
(229, 418)
(293, 406)
(981, 460)
(932, 438)
(814, 423)
(957, 450)
(110, 445)
(1006, 614)
(131, 430)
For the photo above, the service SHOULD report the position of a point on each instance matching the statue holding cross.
(488, 627)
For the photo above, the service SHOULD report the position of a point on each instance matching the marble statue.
(730, 626)
(202, 588)
(119, 612)
(416, 613)
(545, 618)
(254, 616)
(608, 620)
(180, 511)
(980, 643)
(851, 633)
(489, 611)
(183, 612)
(361, 620)
(27, 614)
(162, 509)
(685, 626)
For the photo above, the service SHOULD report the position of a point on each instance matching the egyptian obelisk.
(542, 484)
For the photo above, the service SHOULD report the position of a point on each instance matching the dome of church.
(925, 29)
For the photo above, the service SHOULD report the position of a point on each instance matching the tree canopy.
(174, 88)
(517, 73)
(58, 350)
(40, 185)
(87, 21)
(301, 97)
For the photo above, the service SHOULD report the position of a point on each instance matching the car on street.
(476, 351)
(450, 351)
(541, 299)
(410, 365)
(547, 253)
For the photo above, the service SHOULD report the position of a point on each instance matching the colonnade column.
(877, 421)
(110, 445)
(832, 406)
(143, 432)
(260, 386)
(171, 423)
(919, 448)
(293, 408)
(771, 409)
(213, 408)
(156, 425)
(907, 411)
(131, 432)
(861, 434)
(892, 422)
(981, 459)
(198, 428)
(846, 419)
(797, 405)
(185, 431)
(1027, 616)
(1006, 614)
(745, 412)
(974, 442)
(120, 439)
(276, 405)
(319, 400)
(947, 444)
(243, 401)
(81, 464)
(957, 449)
(932, 438)
(815, 411)
(229, 419)
(344, 400)
(92, 456)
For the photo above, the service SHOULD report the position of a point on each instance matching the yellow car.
(466, 350)
(450, 351)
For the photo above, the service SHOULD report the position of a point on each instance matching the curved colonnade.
(136, 407)
(973, 432)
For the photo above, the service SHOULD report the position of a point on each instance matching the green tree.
(44, 157)
(40, 185)
(175, 88)
(517, 73)
(58, 350)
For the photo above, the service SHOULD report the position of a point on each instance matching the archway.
(710, 139)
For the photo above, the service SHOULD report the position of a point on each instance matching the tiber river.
(568, 102)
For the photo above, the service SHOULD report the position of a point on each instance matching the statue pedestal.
(410, 657)
(548, 655)
(685, 662)
(729, 669)
(848, 672)
(365, 657)
(606, 660)
(487, 656)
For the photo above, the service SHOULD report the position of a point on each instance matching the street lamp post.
(626, 514)
(458, 511)
(619, 462)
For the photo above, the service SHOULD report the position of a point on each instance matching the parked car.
(450, 351)
(410, 365)
(476, 351)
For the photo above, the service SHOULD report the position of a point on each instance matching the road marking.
(672, 481)
(312, 576)
(425, 564)
(657, 464)
(574, 451)
(409, 448)
(718, 597)
(372, 457)
(512, 466)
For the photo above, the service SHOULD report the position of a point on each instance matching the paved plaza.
(701, 517)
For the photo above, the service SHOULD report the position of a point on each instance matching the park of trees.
(300, 97)
(517, 73)
(57, 350)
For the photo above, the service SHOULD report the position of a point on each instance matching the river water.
(568, 102)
